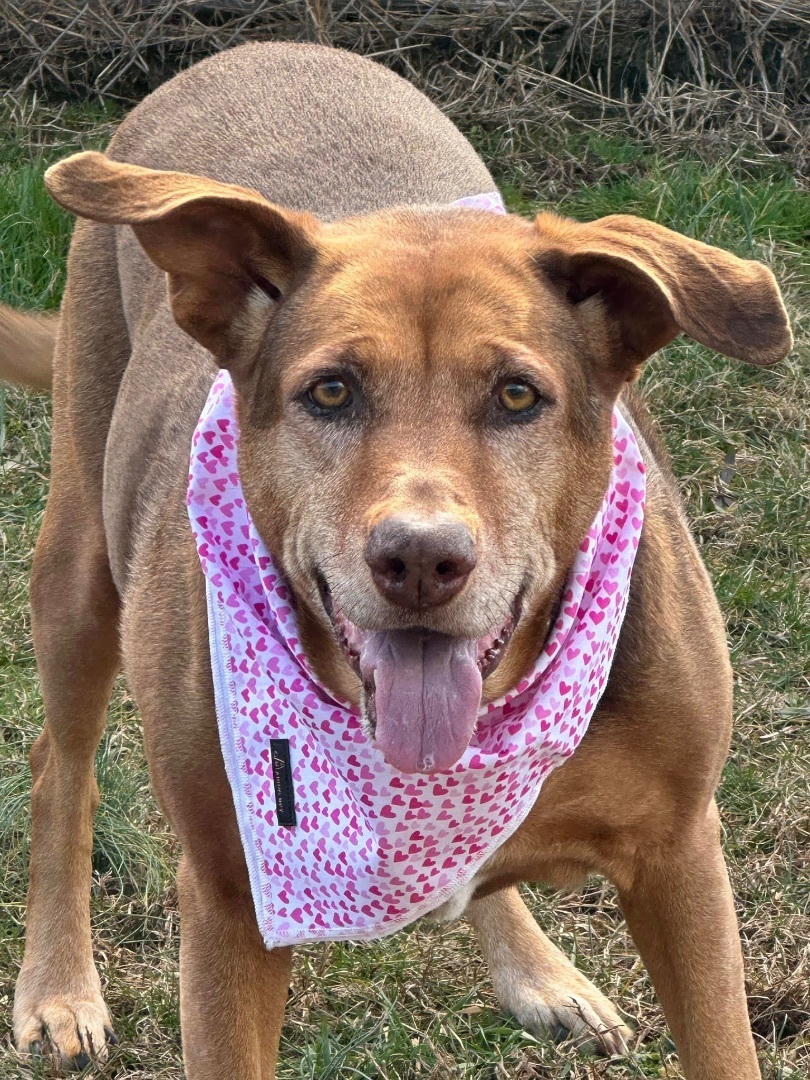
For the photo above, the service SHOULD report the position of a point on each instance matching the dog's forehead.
(429, 276)
(427, 249)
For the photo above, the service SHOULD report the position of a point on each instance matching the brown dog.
(408, 320)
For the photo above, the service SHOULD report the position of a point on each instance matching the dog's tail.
(26, 348)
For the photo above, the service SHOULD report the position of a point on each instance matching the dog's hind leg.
(58, 1004)
(536, 983)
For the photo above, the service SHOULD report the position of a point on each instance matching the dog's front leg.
(58, 1006)
(232, 989)
(536, 983)
(680, 911)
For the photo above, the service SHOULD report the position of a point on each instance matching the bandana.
(338, 843)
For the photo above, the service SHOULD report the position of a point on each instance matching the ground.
(420, 1005)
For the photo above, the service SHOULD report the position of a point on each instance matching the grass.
(420, 1004)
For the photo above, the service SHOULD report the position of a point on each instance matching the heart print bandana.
(373, 849)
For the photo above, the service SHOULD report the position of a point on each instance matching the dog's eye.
(518, 397)
(330, 394)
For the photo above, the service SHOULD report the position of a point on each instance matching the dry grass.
(730, 75)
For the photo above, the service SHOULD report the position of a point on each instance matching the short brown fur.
(427, 305)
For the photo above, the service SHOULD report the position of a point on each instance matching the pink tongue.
(427, 696)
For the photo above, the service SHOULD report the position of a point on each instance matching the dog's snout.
(420, 563)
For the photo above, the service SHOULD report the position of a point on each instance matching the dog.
(445, 378)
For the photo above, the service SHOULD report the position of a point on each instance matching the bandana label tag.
(283, 781)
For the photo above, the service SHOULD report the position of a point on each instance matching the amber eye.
(330, 394)
(517, 397)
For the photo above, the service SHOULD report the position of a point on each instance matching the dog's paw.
(575, 1010)
(72, 1031)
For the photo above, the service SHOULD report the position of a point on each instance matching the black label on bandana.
(283, 781)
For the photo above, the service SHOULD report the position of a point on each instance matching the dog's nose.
(420, 562)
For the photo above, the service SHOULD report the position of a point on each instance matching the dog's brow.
(347, 354)
(514, 360)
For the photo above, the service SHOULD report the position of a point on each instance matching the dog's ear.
(229, 254)
(655, 283)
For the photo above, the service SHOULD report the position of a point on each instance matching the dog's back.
(309, 127)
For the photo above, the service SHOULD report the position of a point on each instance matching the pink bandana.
(373, 849)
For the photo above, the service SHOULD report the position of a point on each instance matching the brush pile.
(731, 74)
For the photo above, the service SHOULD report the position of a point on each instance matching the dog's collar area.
(490, 200)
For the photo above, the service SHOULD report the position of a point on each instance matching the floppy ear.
(230, 255)
(655, 283)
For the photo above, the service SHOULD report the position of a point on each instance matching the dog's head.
(425, 401)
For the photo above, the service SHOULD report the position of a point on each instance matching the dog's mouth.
(421, 690)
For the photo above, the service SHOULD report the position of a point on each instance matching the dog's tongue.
(426, 697)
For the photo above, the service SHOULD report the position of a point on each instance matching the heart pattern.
(374, 849)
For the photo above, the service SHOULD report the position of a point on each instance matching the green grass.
(420, 1004)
